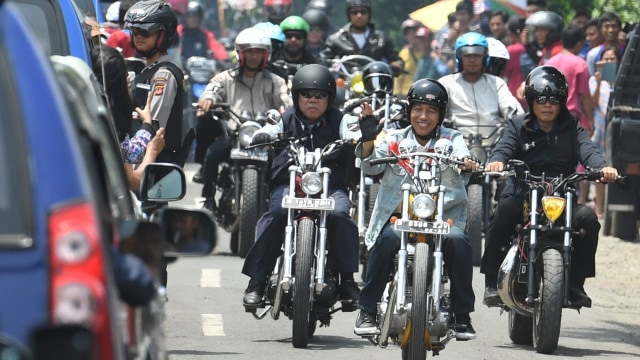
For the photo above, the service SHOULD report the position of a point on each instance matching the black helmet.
(545, 80)
(195, 9)
(378, 78)
(313, 77)
(358, 4)
(431, 92)
(316, 18)
(548, 20)
(154, 15)
(322, 5)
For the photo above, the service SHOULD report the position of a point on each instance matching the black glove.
(370, 127)
(259, 139)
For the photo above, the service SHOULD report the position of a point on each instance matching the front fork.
(320, 241)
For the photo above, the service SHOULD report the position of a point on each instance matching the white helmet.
(498, 57)
(252, 38)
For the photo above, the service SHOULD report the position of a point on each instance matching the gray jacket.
(267, 91)
(390, 193)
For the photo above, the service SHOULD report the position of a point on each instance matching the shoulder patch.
(158, 89)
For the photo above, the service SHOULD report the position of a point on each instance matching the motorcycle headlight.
(553, 207)
(357, 82)
(246, 133)
(423, 206)
(311, 183)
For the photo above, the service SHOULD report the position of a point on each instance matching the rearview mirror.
(163, 182)
(188, 231)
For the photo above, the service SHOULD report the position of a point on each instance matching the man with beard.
(249, 87)
(294, 54)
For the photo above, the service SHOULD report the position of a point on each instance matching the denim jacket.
(390, 193)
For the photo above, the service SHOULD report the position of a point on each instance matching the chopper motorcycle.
(414, 311)
(534, 278)
(300, 286)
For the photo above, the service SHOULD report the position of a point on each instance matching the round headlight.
(423, 206)
(246, 133)
(311, 183)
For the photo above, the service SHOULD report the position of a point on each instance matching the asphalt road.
(206, 319)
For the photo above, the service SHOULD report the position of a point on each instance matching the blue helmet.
(272, 30)
(274, 33)
(471, 43)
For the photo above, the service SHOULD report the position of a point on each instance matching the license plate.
(289, 202)
(424, 227)
(240, 154)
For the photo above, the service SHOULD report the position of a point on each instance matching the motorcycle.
(300, 286)
(414, 310)
(242, 180)
(533, 280)
(198, 71)
(480, 190)
(349, 77)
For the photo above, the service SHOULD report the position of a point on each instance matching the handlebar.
(394, 159)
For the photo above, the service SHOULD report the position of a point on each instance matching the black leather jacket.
(378, 46)
(554, 153)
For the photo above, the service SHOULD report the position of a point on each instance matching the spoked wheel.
(249, 210)
(419, 304)
(474, 221)
(302, 283)
(520, 328)
(547, 311)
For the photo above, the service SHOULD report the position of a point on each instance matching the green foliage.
(628, 10)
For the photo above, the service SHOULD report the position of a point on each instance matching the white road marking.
(212, 325)
(210, 278)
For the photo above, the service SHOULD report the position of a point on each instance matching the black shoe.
(464, 329)
(197, 177)
(253, 294)
(578, 297)
(365, 324)
(210, 204)
(349, 290)
(491, 297)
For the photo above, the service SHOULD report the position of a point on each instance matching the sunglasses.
(318, 94)
(553, 100)
(143, 32)
(294, 35)
(358, 11)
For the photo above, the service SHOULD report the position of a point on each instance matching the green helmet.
(295, 23)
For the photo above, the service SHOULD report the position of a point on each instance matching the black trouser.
(207, 129)
(217, 150)
(502, 227)
(342, 237)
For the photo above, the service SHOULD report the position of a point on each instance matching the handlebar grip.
(390, 159)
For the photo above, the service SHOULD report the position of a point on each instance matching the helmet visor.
(378, 82)
(472, 50)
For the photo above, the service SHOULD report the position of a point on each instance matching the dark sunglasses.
(358, 11)
(143, 32)
(318, 94)
(553, 100)
(297, 35)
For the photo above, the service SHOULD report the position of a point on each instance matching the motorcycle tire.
(547, 312)
(417, 349)
(249, 210)
(520, 328)
(474, 221)
(302, 290)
